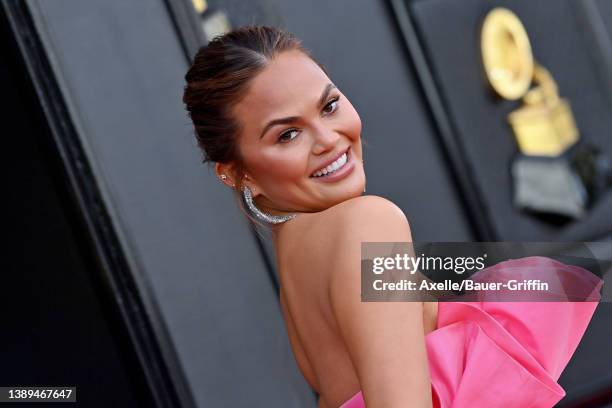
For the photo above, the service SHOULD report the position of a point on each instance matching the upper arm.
(385, 340)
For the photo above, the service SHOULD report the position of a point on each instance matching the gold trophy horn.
(544, 125)
(506, 53)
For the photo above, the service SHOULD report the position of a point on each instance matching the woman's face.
(295, 123)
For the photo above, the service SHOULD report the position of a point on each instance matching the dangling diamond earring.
(247, 194)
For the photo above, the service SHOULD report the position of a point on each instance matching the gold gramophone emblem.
(544, 125)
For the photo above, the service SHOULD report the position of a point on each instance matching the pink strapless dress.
(507, 354)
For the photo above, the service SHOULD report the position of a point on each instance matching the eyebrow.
(289, 119)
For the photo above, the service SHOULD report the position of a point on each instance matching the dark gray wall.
(57, 326)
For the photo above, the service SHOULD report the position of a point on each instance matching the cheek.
(280, 166)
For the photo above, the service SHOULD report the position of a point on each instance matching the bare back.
(304, 248)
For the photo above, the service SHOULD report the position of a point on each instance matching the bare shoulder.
(363, 213)
(364, 219)
(366, 208)
(367, 218)
(335, 235)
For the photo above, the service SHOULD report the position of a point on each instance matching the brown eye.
(332, 106)
(288, 136)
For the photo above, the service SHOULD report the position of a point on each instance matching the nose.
(325, 138)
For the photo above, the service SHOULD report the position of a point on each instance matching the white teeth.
(341, 161)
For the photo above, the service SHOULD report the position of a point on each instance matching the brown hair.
(217, 80)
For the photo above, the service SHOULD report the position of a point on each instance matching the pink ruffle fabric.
(507, 354)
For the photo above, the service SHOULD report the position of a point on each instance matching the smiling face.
(297, 126)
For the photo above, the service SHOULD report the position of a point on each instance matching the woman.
(288, 141)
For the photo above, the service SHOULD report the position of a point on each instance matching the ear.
(252, 184)
(227, 170)
(225, 174)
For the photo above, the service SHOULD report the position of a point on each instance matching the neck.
(264, 205)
